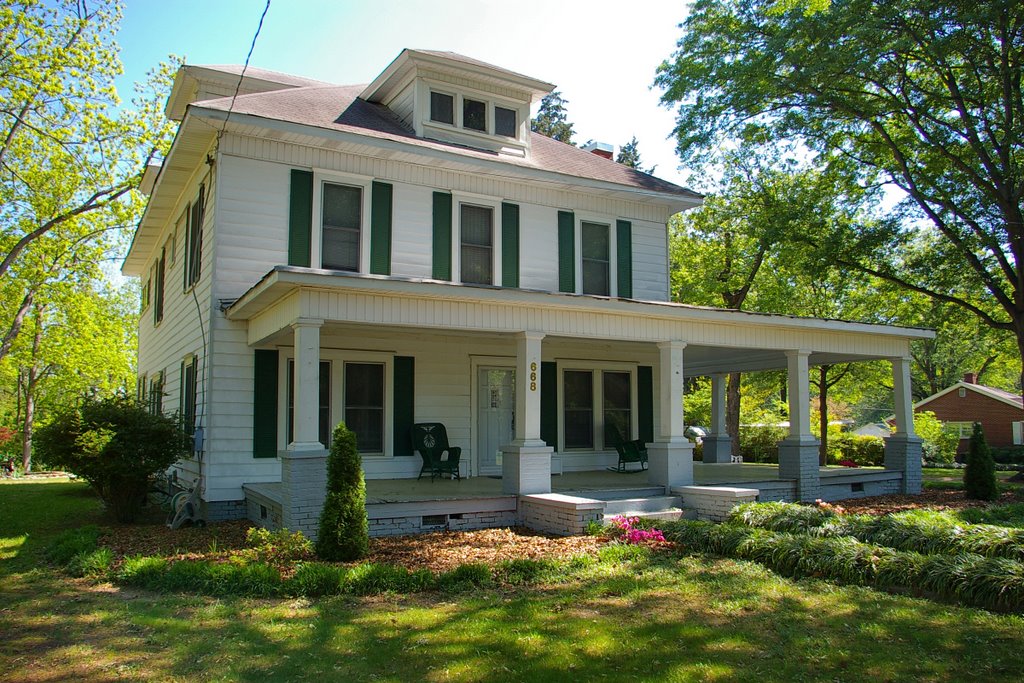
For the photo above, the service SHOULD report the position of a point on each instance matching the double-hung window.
(158, 287)
(187, 396)
(194, 239)
(156, 394)
(597, 407)
(596, 258)
(477, 244)
(342, 216)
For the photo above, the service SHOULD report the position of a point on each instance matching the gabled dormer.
(445, 96)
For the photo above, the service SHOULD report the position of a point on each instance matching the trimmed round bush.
(344, 533)
(116, 445)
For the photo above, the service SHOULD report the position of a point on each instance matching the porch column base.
(526, 468)
(670, 463)
(717, 448)
(303, 489)
(903, 453)
(798, 459)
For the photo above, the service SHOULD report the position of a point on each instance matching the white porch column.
(798, 453)
(670, 457)
(717, 446)
(903, 448)
(306, 434)
(304, 464)
(526, 462)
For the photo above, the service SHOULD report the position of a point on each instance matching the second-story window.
(442, 108)
(158, 287)
(342, 217)
(595, 251)
(474, 115)
(194, 239)
(477, 244)
(505, 122)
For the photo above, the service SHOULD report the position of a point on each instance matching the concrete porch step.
(634, 506)
(671, 514)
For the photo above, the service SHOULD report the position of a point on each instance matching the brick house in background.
(1000, 412)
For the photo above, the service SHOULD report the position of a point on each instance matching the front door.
(495, 417)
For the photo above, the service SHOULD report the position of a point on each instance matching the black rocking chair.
(431, 441)
(634, 450)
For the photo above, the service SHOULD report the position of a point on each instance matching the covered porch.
(445, 333)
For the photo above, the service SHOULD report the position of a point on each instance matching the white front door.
(495, 417)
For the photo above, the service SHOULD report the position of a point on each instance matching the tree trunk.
(30, 395)
(732, 411)
(823, 413)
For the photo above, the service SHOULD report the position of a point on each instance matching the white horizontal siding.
(404, 104)
(412, 230)
(538, 247)
(650, 261)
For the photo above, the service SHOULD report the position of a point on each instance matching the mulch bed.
(444, 550)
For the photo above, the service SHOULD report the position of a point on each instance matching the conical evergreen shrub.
(980, 475)
(344, 530)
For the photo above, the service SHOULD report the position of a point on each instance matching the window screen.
(477, 264)
(595, 252)
(342, 215)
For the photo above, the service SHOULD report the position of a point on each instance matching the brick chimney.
(601, 149)
(970, 378)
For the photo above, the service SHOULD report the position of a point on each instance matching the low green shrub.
(142, 571)
(522, 571)
(761, 444)
(70, 543)
(465, 577)
(94, 563)
(994, 582)
(921, 531)
(1008, 455)
(313, 579)
(1001, 515)
(373, 578)
(277, 546)
(865, 451)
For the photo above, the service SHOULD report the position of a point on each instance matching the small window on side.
(474, 115)
(442, 108)
(505, 122)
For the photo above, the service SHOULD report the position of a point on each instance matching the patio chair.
(633, 450)
(431, 441)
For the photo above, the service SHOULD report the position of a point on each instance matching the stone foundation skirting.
(557, 513)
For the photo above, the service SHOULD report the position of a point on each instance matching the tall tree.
(924, 95)
(552, 119)
(629, 155)
(70, 156)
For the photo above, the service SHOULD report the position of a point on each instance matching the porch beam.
(306, 434)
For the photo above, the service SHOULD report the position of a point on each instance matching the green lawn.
(951, 479)
(661, 619)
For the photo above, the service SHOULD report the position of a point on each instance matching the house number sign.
(533, 377)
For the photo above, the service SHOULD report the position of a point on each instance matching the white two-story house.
(408, 251)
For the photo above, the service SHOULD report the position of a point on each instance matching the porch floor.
(408, 490)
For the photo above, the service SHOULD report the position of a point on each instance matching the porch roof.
(719, 340)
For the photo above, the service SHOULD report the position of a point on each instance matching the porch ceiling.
(717, 340)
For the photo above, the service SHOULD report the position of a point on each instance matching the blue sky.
(601, 54)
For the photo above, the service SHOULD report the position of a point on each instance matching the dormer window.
(474, 115)
(505, 122)
(442, 108)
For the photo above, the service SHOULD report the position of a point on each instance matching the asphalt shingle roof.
(338, 107)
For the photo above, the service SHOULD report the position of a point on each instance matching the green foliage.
(866, 451)
(93, 564)
(629, 155)
(314, 579)
(921, 94)
(344, 529)
(1001, 515)
(373, 578)
(277, 547)
(523, 571)
(141, 571)
(71, 543)
(984, 581)
(116, 445)
(465, 577)
(1008, 455)
(552, 120)
(761, 444)
(939, 442)
(980, 473)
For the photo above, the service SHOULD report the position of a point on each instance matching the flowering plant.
(628, 532)
(846, 462)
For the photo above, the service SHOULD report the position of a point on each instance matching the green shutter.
(264, 404)
(549, 403)
(380, 229)
(566, 251)
(645, 403)
(300, 218)
(442, 236)
(509, 245)
(403, 401)
(624, 246)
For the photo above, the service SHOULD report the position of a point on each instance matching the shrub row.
(993, 582)
(1008, 455)
(919, 531)
(1000, 515)
(865, 451)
